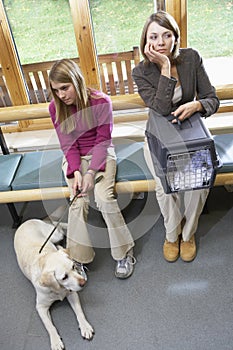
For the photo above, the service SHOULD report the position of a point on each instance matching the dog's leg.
(86, 329)
(55, 339)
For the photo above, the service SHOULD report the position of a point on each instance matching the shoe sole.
(171, 260)
(123, 277)
(190, 259)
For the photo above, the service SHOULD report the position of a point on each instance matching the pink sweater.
(83, 141)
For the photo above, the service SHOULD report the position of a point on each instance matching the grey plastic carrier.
(184, 155)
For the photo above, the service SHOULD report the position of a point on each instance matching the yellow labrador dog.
(53, 274)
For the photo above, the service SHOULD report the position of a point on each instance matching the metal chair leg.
(17, 219)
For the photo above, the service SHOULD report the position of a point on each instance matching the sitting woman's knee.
(104, 198)
(81, 202)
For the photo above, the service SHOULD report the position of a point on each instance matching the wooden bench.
(115, 75)
(27, 177)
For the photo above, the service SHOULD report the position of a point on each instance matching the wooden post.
(81, 15)
(10, 64)
(159, 5)
(178, 9)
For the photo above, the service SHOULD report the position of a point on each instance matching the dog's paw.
(87, 330)
(57, 344)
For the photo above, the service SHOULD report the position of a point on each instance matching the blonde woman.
(83, 120)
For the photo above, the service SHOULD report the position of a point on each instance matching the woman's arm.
(206, 93)
(201, 95)
(155, 89)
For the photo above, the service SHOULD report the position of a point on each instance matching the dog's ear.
(48, 279)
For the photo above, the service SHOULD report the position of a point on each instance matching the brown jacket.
(157, 90)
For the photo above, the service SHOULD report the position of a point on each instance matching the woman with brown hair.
(173, 82)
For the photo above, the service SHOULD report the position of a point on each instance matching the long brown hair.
(165, 20)
(67, 71)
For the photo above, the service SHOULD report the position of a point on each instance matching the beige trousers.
(78, 240)
(181, 211)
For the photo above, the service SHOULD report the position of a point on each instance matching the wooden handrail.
(63, 192)
(225, 92)
(121, 187)
(40, 110)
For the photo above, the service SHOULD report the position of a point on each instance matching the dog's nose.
(82, 282)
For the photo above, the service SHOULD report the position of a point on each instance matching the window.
(42, 30)
(210, 32)
(118, 23)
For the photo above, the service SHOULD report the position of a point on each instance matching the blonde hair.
(165, 20)
(67, 71)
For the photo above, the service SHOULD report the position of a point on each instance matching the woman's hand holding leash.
(88, 182)
(77, 184)
(98, 179)
(84, 183)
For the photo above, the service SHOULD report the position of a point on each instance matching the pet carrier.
(183, 155)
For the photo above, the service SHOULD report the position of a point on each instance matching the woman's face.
(162, 39)
(65, 92)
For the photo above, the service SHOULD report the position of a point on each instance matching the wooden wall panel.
(81, 16)
(178, 9)
(10, 64)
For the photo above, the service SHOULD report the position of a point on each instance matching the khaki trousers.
(78, 240)
(181, 211)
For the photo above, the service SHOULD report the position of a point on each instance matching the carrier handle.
(179, 122)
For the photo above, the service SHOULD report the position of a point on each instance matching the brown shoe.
(188, 249)
(171, 250)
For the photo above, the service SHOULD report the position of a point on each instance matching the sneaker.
(125, 267)
(80, 268)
